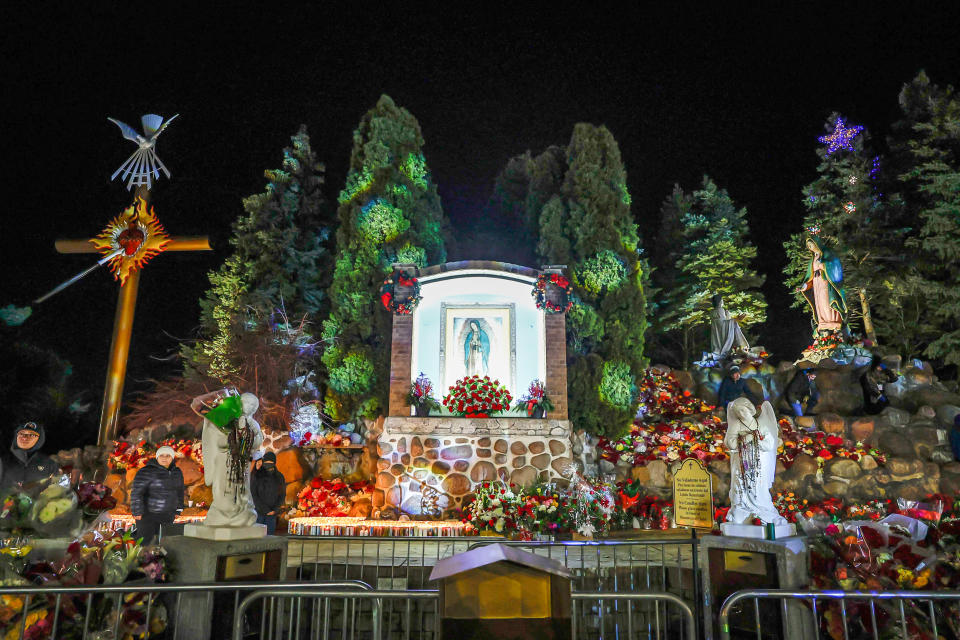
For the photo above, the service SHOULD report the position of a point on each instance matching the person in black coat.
(157, 494)
(874, 397)
(802, 387)
(268, 488)
(26, 463)
(733, 387)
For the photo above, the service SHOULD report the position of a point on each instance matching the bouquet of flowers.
(95, 498)
(495, 508)
(421, 395)
(15, 511)
(821, 446)
(55, 511)
(662, 398)
(535, 401)
(668, 441)
(476, 397)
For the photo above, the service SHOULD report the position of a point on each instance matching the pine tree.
(715, 259)
(389, 213)
(279, 264)
(847, 206)
(589, 227)
(930, 135)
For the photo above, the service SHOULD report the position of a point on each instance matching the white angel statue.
(752, 441)
(143, 165)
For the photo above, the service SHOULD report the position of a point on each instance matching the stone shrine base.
(756, 531)
(451, 454)
(224, 533)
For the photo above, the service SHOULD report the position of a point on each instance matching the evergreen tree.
(589, 227)
(715, 259)
(846, 205)
(279, 263)
(389, 213)
(930, 137)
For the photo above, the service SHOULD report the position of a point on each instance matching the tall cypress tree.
(715, 259)
(930, 137)
(279, 263)
(389, 212)
(588, 226)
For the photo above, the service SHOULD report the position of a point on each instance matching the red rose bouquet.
(476, 397)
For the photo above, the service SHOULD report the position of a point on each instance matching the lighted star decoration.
(841, 138)
(132, 239)
(849, 207)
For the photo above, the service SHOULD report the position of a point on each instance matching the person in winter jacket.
(268, 488)
(874, 397)
(157, 494)
(26, 463)
(733, 387)
(802, 387)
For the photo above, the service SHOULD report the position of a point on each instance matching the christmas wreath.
(540, 293)
(403, 305)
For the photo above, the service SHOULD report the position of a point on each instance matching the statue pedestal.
(756, 530)
(728, 564)
(205, 560)
(224, 533)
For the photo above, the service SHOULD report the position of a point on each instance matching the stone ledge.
(506, 426)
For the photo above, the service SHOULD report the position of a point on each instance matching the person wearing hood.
(157, 494)
(268, 488)
(26, 463)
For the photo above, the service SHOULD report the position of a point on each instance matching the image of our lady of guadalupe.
(476, 350)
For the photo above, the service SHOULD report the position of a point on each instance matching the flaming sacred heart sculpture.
(131, 239)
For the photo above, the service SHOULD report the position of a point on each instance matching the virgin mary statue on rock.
(823, 288)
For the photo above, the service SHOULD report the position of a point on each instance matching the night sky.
(741, 97)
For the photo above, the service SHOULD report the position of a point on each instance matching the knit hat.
(269, 458)
(29, 426)
(166, 451)
(734, 369)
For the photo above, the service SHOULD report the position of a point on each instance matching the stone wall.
(453, 454)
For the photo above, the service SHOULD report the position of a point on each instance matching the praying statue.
(752, 440)
(476, 351)
(230, 436)
(725, 332)
(823, 288)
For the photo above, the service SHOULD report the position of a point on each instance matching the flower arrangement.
(535, 400)
(496, 507)
(400, 305)
(421, 395)
(821, 446)
(134, 456)
(668, 441)
(330, 498)
(559, 281)
(662, 398)
(95, 498)
(476, 397)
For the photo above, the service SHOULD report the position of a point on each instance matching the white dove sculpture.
(143, 166)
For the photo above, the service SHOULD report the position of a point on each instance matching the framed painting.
(478, 339)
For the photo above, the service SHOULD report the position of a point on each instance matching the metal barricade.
(103, 611)
(652, 619)
(662, 564)
(676, 616)
(908, 613)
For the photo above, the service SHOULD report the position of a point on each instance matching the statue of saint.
(476, 351)
(823, 288)
(227, 451)
(725, 332)
(752, 441)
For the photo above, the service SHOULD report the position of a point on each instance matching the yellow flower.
(921, 582)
